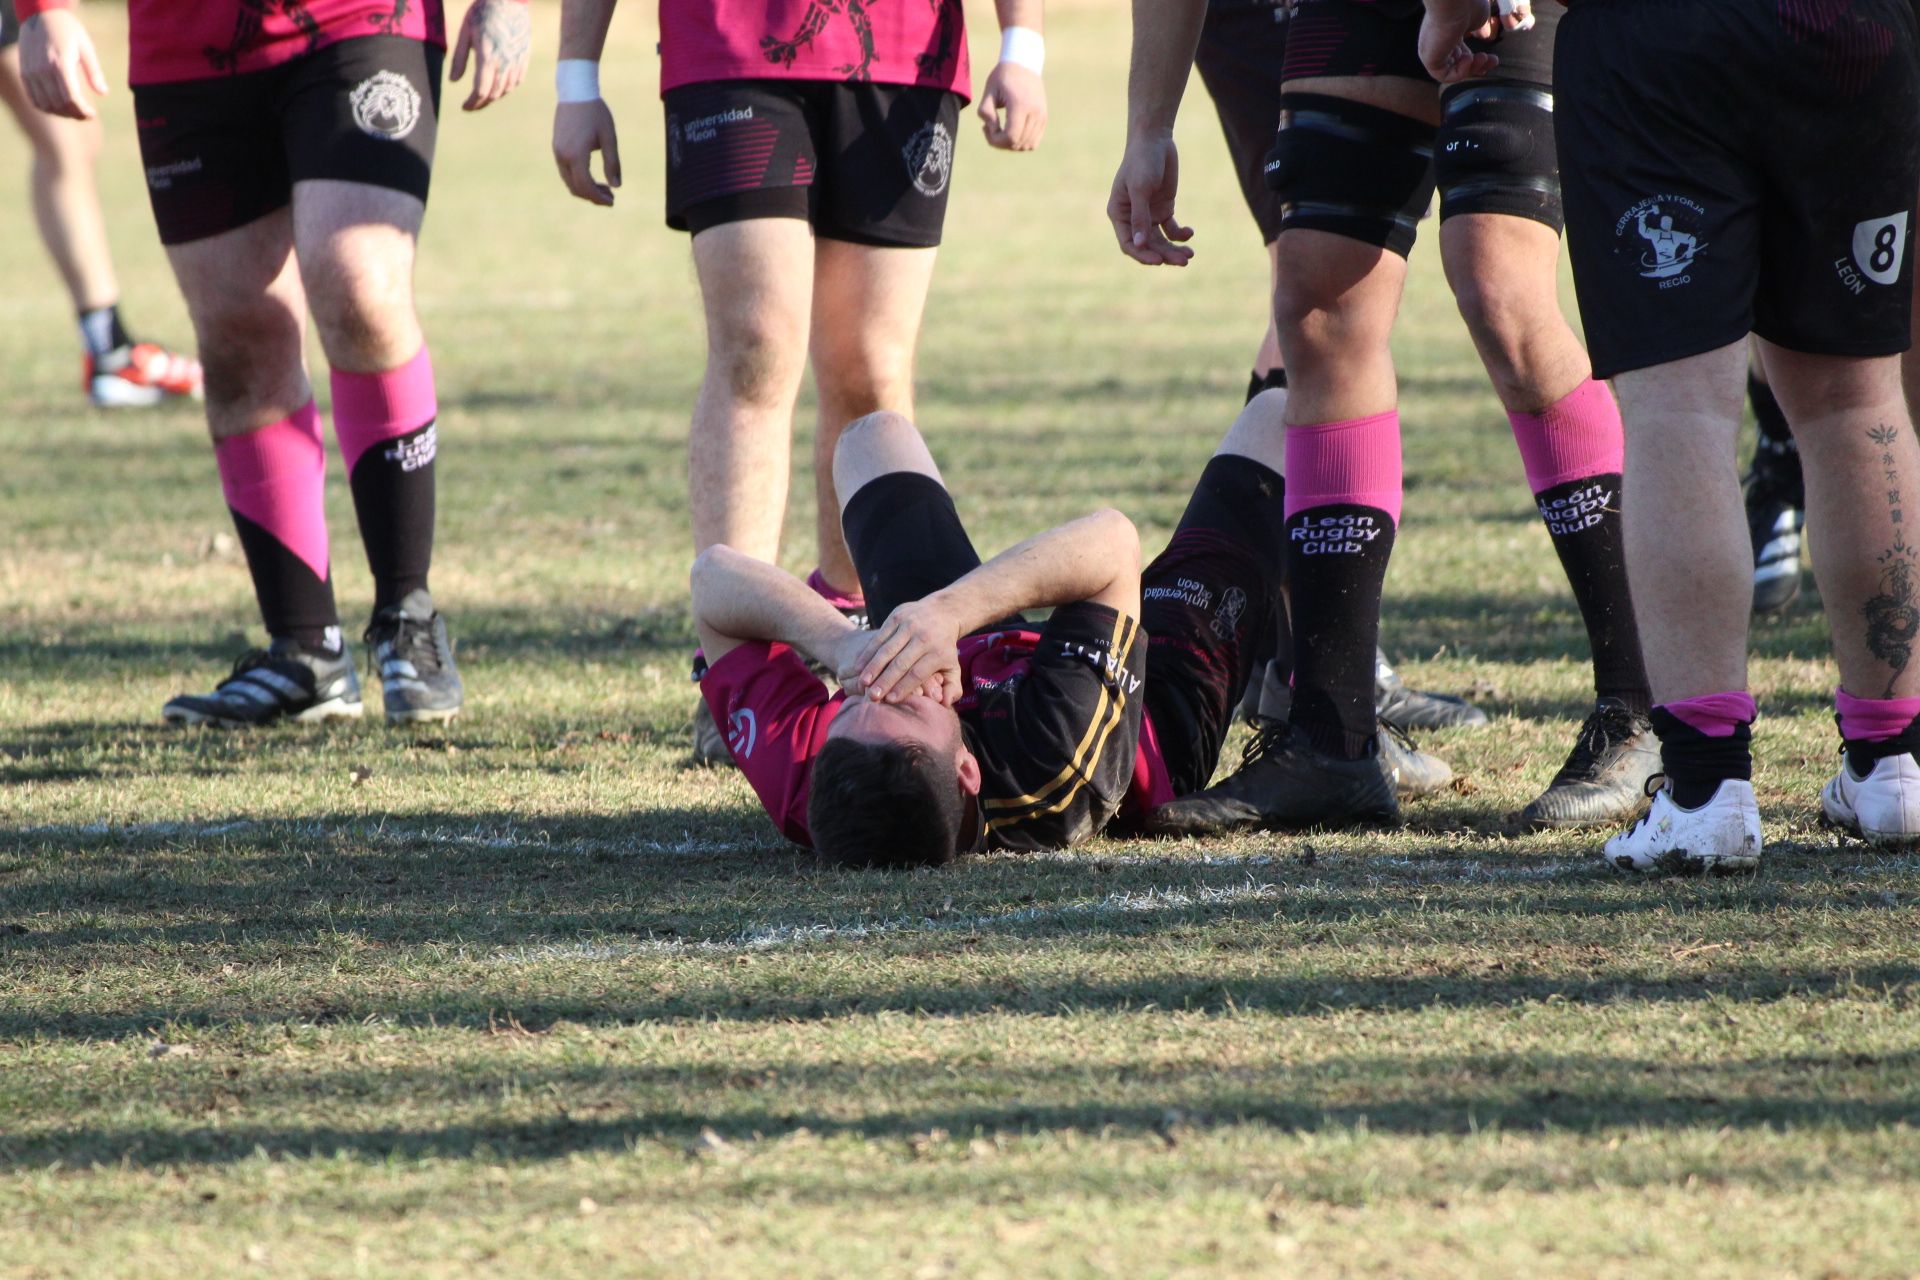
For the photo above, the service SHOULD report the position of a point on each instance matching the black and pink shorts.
(861, 162)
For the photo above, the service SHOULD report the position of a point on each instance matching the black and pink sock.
(274, 480)
(1874, 728)
(1705, 741)
(1574, 455)
(385, 426)
(1343, 506)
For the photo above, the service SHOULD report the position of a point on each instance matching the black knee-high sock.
(1343, 504)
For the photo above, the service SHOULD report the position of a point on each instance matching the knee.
(247, 352)
(1495, 321)
(365, 324)
(871, 434)
(861, 378)
(756, 361)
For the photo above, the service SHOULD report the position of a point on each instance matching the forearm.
(1083, 560)
(1029, 14)
(1165, 35)
(736, 597)
(583, 28)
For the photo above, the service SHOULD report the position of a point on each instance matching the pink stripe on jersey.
(208, 39)
(1573, 438)
(276, 477)
(913, 42)
(1715, 714)
(372, 408)
(1873, 719)
(1352, 463)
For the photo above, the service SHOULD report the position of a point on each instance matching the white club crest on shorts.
(1880, 246)
(1666, 237)
(386, 105)
(742, 730)
(929, 157)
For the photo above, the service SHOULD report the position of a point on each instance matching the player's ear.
(969, 770)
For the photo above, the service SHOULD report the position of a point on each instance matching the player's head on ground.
(895, 786)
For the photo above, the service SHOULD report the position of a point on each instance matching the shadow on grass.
(612, 1108)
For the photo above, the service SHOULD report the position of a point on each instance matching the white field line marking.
(779, 936)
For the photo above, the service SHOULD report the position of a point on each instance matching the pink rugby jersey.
(174, 40)
(916, 42)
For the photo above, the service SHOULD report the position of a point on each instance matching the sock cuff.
(1577, 436)
(371, 408)
(1873, 719)
(291, 446)
(838, 599)
(1717, 715)
(1351, 463)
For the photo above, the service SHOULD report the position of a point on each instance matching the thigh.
(756, 284)
(243, 292)
(886, 163)
(1662, 204)
(1242, 50)
(1836, 273)
(356, 245)
(363, 112)
(212, 153)
(738, 150)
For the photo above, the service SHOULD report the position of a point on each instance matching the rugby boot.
(1605, 776)
(283, 682)
(709, 744)
(1413, 772)
(418, 680)
(1284, 782)
(1409, 708)
(1876, 794)
(1722, 835)
(141, 375)
(1776, 514)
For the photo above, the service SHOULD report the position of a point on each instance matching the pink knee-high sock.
(1873, 719)
(386, 427)
(1574, 452)
(274, 480)
(1342, 508)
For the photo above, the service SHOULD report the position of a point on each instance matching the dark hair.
(885, 804)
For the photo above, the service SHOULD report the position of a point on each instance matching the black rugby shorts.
(225, 151)
(861, 162)
(1733, 165)
(1242, 48)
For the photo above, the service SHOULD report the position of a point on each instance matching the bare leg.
(249, 309)
(1686, 532)
(66, 201)
(1863, 478)
(867, 305)
(1504, 272)
(356, 246)
(1268, 358)
(756, 279)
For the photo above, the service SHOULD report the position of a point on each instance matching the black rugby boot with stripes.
(1404, 707)
(284, 682)
(1776, 515)
(418, 680)
(1285, 782)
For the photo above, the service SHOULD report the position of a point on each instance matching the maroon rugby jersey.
(1054, 716)
(174, 40)
(917, 42)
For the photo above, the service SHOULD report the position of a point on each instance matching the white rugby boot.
(1881, 806)
(1722, 835)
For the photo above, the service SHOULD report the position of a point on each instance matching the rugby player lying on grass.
(960, 724)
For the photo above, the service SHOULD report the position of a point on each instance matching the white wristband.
(1024, 47)
(577, 80)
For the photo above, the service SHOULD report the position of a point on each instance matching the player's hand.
(59, 65)
(917, 649)
(1022, 95)
(1514, 15)
(579, 130)
(1141, 203)
(498, 35)
(1443, 40)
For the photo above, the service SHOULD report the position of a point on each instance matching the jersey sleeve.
(1066, 753)
(775, 714)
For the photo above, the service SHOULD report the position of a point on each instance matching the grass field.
(533, 994)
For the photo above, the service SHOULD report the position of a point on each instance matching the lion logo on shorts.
(929, 157)
(386, 105)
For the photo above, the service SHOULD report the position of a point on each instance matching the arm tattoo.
(1892, 613)
(506, 33)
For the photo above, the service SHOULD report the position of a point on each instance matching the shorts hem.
(1605, 369)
